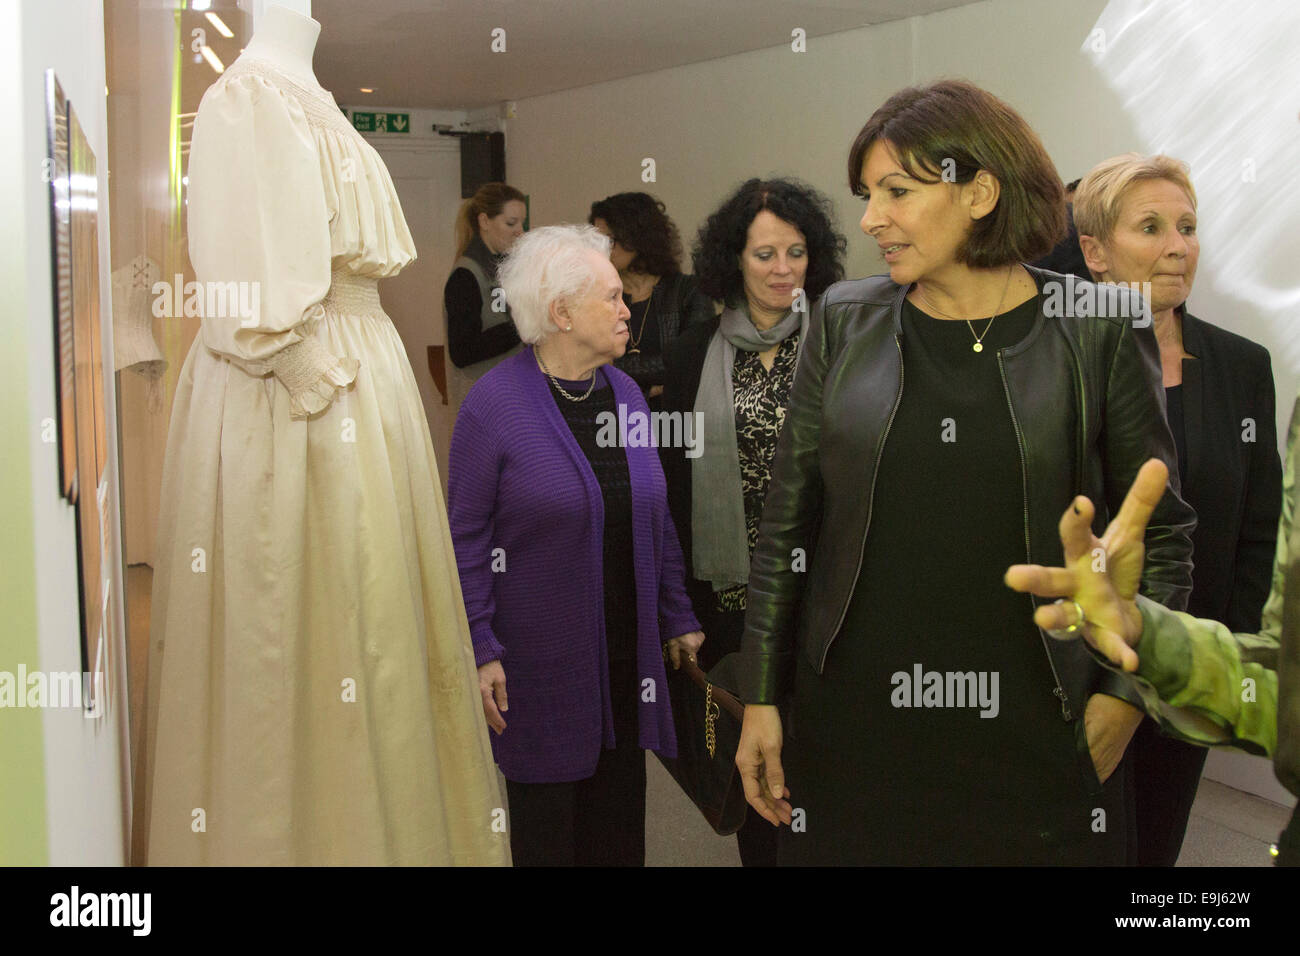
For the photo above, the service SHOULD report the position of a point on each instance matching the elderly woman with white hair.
(569, 562)
(1136, 217)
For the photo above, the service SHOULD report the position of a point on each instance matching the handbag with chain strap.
(707, 719)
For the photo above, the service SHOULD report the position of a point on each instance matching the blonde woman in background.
(479, 331)
(1136, 217)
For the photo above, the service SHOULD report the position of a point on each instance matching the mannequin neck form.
(287, 40)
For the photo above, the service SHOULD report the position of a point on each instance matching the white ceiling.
(436, 53)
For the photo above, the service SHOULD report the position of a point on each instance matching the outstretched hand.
(1101, 575)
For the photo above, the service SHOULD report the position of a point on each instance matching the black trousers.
(756, 839)
(1166, 774)
(599, 821)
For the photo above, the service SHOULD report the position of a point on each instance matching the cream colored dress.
(313, 694)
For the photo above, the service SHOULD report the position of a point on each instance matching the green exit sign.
(381, 122)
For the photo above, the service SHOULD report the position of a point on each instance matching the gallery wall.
(22, 786)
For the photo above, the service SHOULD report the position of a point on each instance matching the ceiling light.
(220, 24)
(201, 5)
(214, 61)
(367, 89)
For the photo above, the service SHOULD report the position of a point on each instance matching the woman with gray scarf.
(767, 253)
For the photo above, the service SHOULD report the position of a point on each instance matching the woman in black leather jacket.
(663, 302)
(930, 721)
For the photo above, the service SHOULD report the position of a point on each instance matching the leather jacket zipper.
(1059, 692)
(871, 501)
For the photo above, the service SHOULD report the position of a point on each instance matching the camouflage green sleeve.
(1206, 685)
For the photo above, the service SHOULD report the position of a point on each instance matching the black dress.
(887, 772)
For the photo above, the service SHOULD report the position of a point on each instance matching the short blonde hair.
(544, 265)
(1100, 195)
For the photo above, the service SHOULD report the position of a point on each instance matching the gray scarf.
(720, 549)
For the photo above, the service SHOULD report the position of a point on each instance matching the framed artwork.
(88, 388)
(56, 174)
(79, 370)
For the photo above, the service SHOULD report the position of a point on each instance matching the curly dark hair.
(639, 222)
(722, 238)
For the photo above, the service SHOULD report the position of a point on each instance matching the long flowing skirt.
(313, 695)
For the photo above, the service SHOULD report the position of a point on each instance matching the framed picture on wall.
(55, 173)
(88, 388)
(81, 420)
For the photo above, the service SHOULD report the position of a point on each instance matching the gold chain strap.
(710, 715)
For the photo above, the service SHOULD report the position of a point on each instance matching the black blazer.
(682, 369)
(1235, 485)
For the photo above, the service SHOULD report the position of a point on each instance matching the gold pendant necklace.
(979, 339)
(635, 341)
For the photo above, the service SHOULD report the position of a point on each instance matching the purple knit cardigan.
(527, 518)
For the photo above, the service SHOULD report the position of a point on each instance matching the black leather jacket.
(677, 303)
(1086, 401)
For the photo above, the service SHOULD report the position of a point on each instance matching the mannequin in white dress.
(286, 40)
(313, 695)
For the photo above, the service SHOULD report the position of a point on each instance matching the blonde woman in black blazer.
(1137, 223)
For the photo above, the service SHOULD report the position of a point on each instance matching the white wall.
(426, 175)
(87, 789)
(425, 167)
(709, 126)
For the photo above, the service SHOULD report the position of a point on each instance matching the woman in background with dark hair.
(479, 330)
(647, 251)
(931, 723)
(766, 253)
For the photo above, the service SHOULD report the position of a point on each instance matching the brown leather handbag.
(707, 719)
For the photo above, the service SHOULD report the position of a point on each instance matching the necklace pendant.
(633, 352)
(977, 347)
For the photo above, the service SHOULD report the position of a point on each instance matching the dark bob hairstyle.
(955, 128)
(722, 238)
(639, 222)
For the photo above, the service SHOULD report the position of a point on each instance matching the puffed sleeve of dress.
(258, 218)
